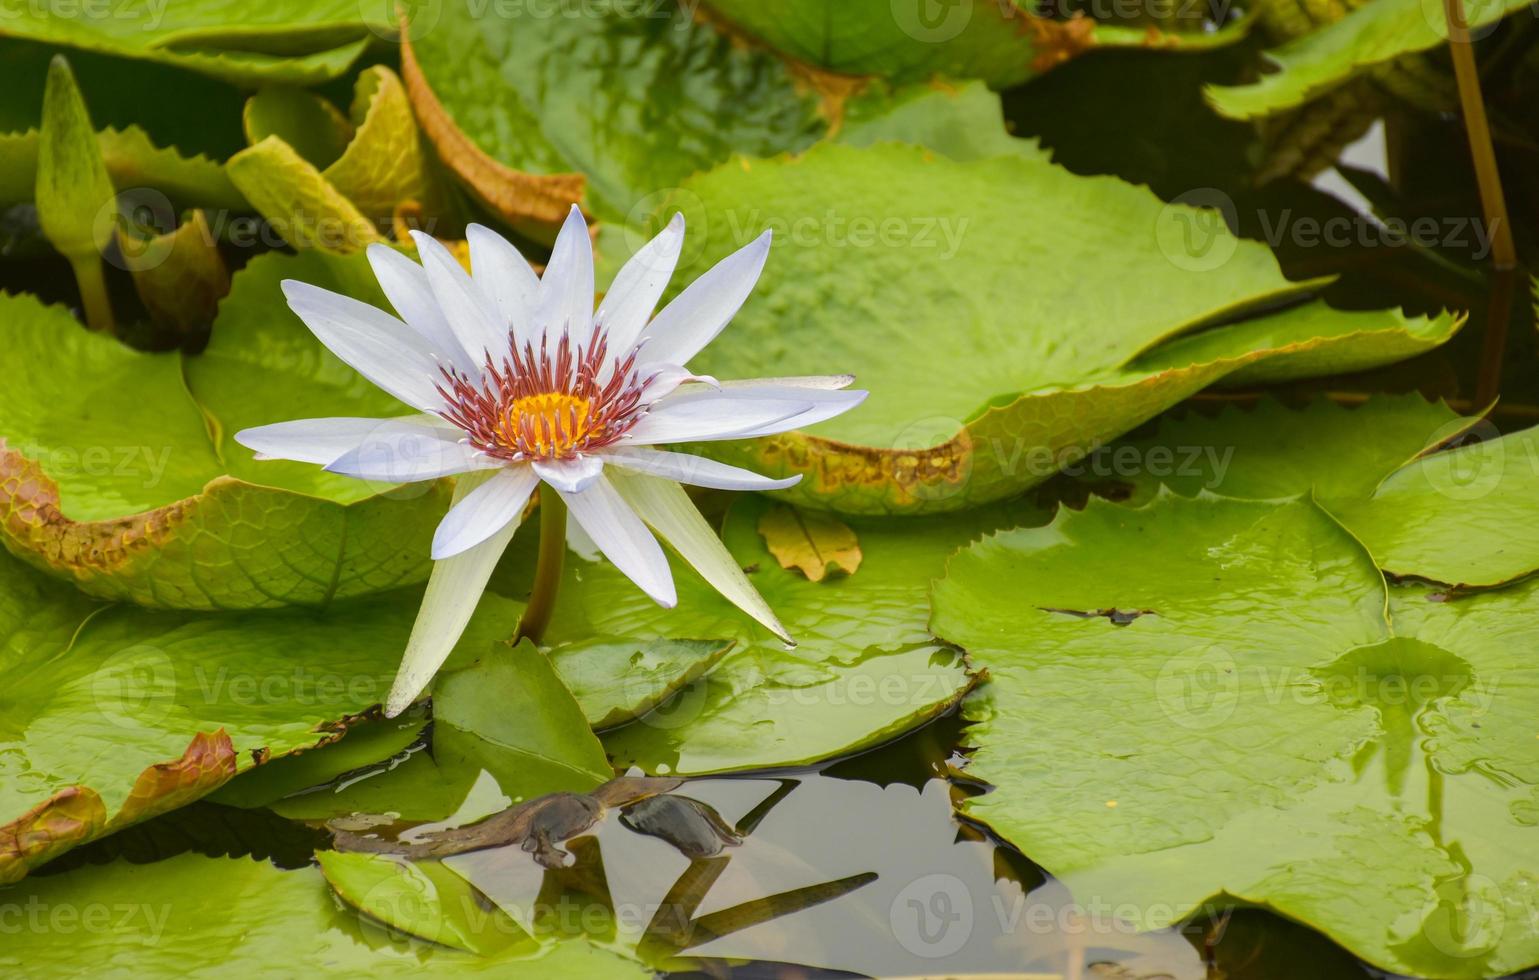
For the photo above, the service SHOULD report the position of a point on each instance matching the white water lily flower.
(520, 382)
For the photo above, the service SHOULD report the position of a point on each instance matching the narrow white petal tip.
(676, 223)
(842, 380)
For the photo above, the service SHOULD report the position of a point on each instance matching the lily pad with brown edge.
(1397, 472)
(300, 41)
(865, 669)
(579, 102)
(113, 714)
(998, 342)
(195, 915)
(119, 471)
(998, 41)
(1276, 727)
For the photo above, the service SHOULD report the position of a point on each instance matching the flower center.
(551, 403)
(549, 425)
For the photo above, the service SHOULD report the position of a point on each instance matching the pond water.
(858, 867)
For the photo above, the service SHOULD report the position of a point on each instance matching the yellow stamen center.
(549, 425)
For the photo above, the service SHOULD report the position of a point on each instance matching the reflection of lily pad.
(113, 714)
(994, 340)
(866, 668)
(1275, 726)
(117, 476)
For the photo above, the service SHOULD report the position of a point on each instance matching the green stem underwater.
(547, 573)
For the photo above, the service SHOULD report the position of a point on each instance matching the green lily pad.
(1383, 470)
(1271, 725)
(1272, 451)
(197, 916)
(617, 680)
(591, 94)
(301, 41)
(994, 340)
(114, 714)
(1372, 34)
(997, 41)
(119, 470)
(866, 669)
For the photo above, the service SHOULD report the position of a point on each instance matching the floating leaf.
(287, 40)
(192, 914)
(115, 475)
(1373, 34)
(151, 710)
(1278, 728)
(1384, 470)
(995, 348)
(865, 671)
(810, 541)
(1003, 43)
(617, 680)
(510, 715)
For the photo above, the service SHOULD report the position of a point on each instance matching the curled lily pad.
(1372, 34)
(987, 370)
(1275, 727)
(339, 203)
(118, 470)
(865, 669)
(114, 714)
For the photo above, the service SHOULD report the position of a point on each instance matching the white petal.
(578, 540)
(623, 539)
(665, 379)
(817, 382)
(404, 452)
(405, 284)
(452, 593)
(505, 276)
(700, 312)
(705, 418)
(485, 510)
(825, 404)
(664, 505)
(570, 475)
(638, 286)
(374, 343)
(694, 470)
(471, 315)
(311, 440)
(566, 292)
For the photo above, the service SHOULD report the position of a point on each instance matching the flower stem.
(93, 293)
(547, 573)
